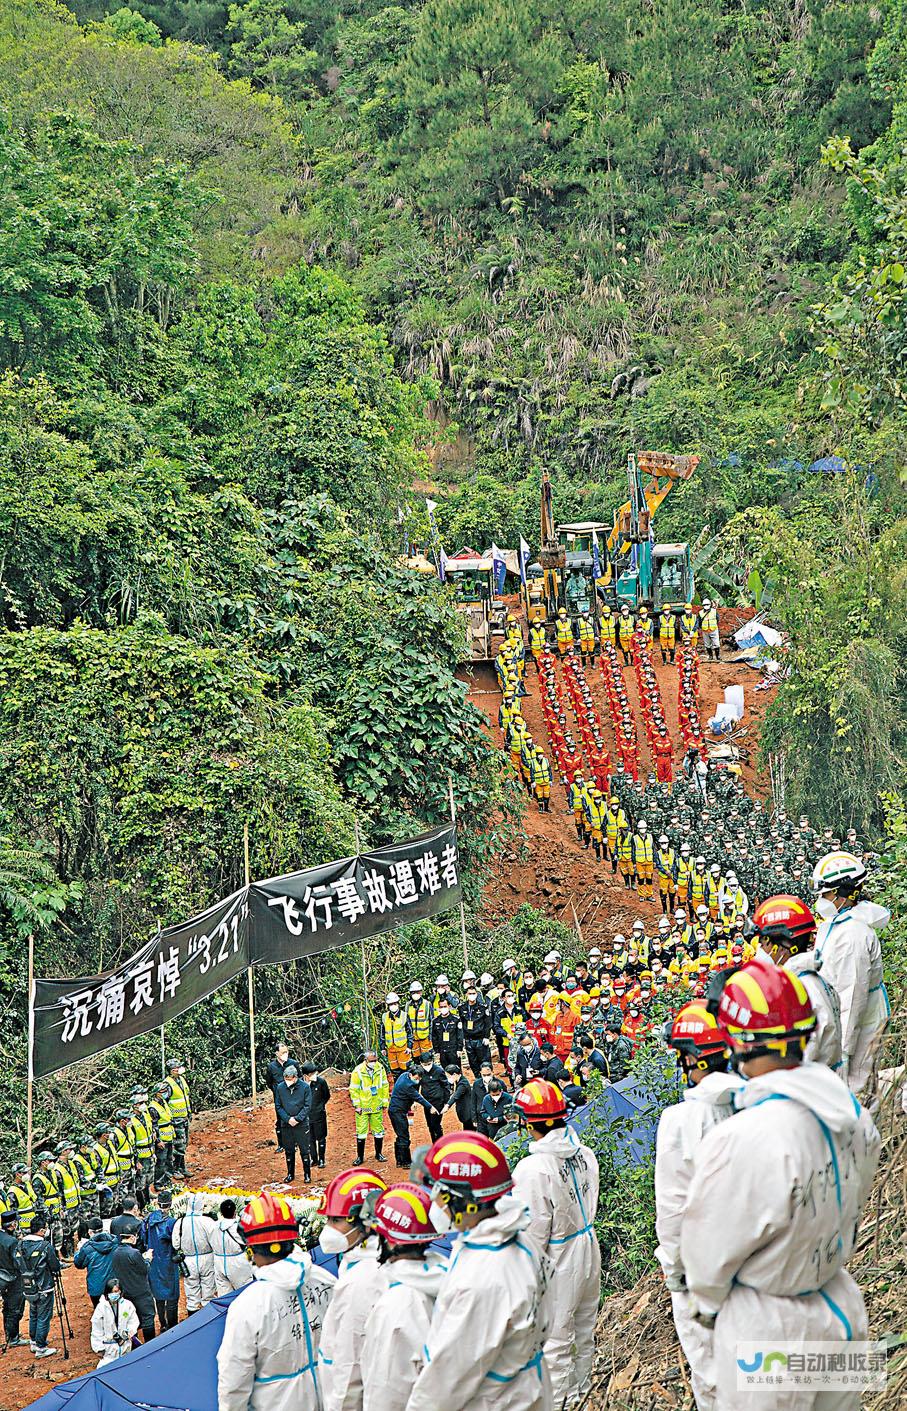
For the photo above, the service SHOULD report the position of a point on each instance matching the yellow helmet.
(688, 607)
(562, 612)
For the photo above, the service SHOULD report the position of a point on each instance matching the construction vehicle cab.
(580, 583)
(672, 576)
(472, 580)
(534, 593)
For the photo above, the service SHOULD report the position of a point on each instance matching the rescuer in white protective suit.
(849, 957)
(703, 1052)
(484, 1349)
(267, 1359)
(558, 1181)
(776, 1195)
(787, 931)
(396, 1330)
(360, 1279)
(192, 1239)
(232, 1269)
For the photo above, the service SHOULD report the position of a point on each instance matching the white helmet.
(619, 941)
(639, 926)
(392, 998)
(663, 840)
(641, 826)
(680, 914)
(441, 980)
(508, 966)
(485, 979)
(663, 923)
(732, 879)
(415, 988)
(469, 975)
(706, 602)
(552, 958)
(715, 869)
(836, 868)
(595, 952)
(702, 911)
(684, 848)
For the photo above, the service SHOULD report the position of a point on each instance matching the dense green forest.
(267, 267)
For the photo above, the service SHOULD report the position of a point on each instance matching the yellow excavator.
(632, 568)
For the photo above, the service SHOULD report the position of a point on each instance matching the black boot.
(379, 1149)
(360, 1151)
(307, 1172)
(291, 1171)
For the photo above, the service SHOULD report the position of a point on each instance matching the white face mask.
(332, 1241)
(440, 1218)
(826, 908)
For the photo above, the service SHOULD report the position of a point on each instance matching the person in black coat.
(294, 1103)
(479, 1094)
(318, 1118)
(404, 1097)
(460, 1097)
(130, 1269)
(274, 1076)
(447, 1034)
(553, 1069)
(497, 1108)
(11, 1279)
(476, 1024)
(435, 1088)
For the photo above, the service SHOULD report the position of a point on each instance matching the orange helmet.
(468, 1165)
(343, 1197)
(268, 1219)
(784, 922)
(764, 1008)
(401, 1215)
(541, 1102)
(696, 1034)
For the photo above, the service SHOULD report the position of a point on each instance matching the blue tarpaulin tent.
(178, 1370)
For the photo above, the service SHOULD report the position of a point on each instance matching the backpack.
(32, 1263)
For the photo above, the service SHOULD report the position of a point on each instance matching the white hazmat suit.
(232, 1269)
(396, 1331)
(268, 1357)
(681, 1128)
(558, 1181)
(484, 1348)
(360, 1282)
(108, 1323)
(825, 1040)
(192, 1238)
(849, 957)
(770, 1222)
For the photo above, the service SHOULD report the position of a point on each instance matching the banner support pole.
(30, 1088)
(163, 1054)
(365, 1033)
(250, 975)
(453, 819)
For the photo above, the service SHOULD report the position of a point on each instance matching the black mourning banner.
(266, 923)
(74, 1019)
(327, 907)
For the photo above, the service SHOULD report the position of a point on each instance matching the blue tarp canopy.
(178, 1370)
(830, 465)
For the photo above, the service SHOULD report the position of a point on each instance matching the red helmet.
(541, 1102)
(696, 1033)
(786, 921)
(763, 1008)
(469, 1165)
(344, 1195)
(268, 1219)
(401, 1215)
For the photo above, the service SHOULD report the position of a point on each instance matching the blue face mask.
(114, 1297)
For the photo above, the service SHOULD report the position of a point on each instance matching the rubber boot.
(598, 851)
(307, 1169)
(579, 831)
(360, 1151)
(379, 1149)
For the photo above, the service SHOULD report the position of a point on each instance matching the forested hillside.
(265, 266)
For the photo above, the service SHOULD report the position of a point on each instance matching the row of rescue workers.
(504, 1317)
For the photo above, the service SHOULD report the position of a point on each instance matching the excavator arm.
(664, 471)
